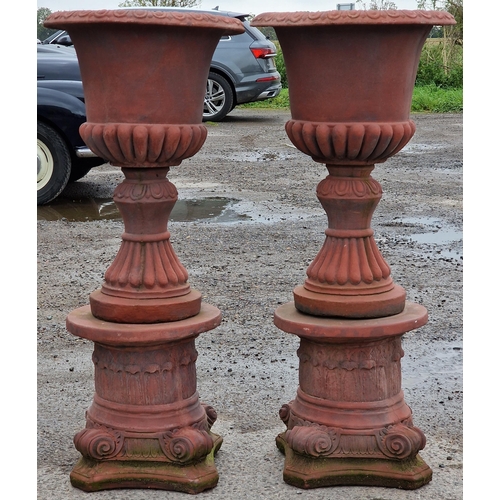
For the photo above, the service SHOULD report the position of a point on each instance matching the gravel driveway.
(246, 252)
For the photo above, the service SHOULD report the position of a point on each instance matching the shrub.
(441, 65)
(280, 66)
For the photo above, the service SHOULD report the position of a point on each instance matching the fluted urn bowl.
(351, 76)
(144, 74)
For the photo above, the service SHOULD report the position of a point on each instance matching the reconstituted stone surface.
(247, 368)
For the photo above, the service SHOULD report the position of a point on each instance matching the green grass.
(433, 99)
(426, 99)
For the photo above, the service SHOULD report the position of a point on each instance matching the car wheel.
(218, 98)
(53, 164)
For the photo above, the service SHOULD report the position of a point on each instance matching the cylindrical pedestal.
(349, 423)
(146, 427)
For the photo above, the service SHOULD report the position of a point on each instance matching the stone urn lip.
(353, 17)
(145, 16)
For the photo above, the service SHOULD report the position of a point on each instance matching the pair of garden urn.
(351, 76)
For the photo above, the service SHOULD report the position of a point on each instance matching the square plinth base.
(96, 475)
(307, 472)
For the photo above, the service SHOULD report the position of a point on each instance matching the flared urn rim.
(351, 17)
(145, 16)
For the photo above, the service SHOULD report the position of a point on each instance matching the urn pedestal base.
(94, 475)
(146, 427)
(306, 472)
(349, 423)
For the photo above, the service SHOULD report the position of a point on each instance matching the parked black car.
(62, 156)
(242, 70)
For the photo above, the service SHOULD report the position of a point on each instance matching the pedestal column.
(351, 76)
(349, 423)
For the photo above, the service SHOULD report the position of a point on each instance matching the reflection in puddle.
(87, 209)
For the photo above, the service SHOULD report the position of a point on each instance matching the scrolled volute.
(99, 443)
(313, 441)
(186, 445)
(400, 441)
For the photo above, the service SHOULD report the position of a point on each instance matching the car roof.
(56, 49)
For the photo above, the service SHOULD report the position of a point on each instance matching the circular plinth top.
(321, 329)
(280, 19)
(145, 16)
(82, 323)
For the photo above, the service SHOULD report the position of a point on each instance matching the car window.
(241, 38)
(255, 32)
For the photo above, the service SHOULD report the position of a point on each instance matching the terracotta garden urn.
(144, 74)
(351, 76)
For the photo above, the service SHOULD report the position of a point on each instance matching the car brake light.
(263, 53)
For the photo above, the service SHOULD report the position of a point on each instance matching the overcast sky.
(244, 6)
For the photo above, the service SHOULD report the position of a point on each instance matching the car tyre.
(53, 164)
(82, 166)
(218, 98)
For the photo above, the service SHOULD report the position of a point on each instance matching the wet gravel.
(247, 368)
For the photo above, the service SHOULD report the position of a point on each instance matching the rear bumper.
(269, 93)
(252, 91)
(84, 152)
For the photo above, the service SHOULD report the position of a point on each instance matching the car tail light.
(268, 79)
(263, 53)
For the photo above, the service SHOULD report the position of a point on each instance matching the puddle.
(439, 237)
(89, 209)
(436, 235)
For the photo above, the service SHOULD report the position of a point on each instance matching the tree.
(41, 31)
(452, 36)
(456, 32)
(160, 3)
(378, 5)
(429, 4)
